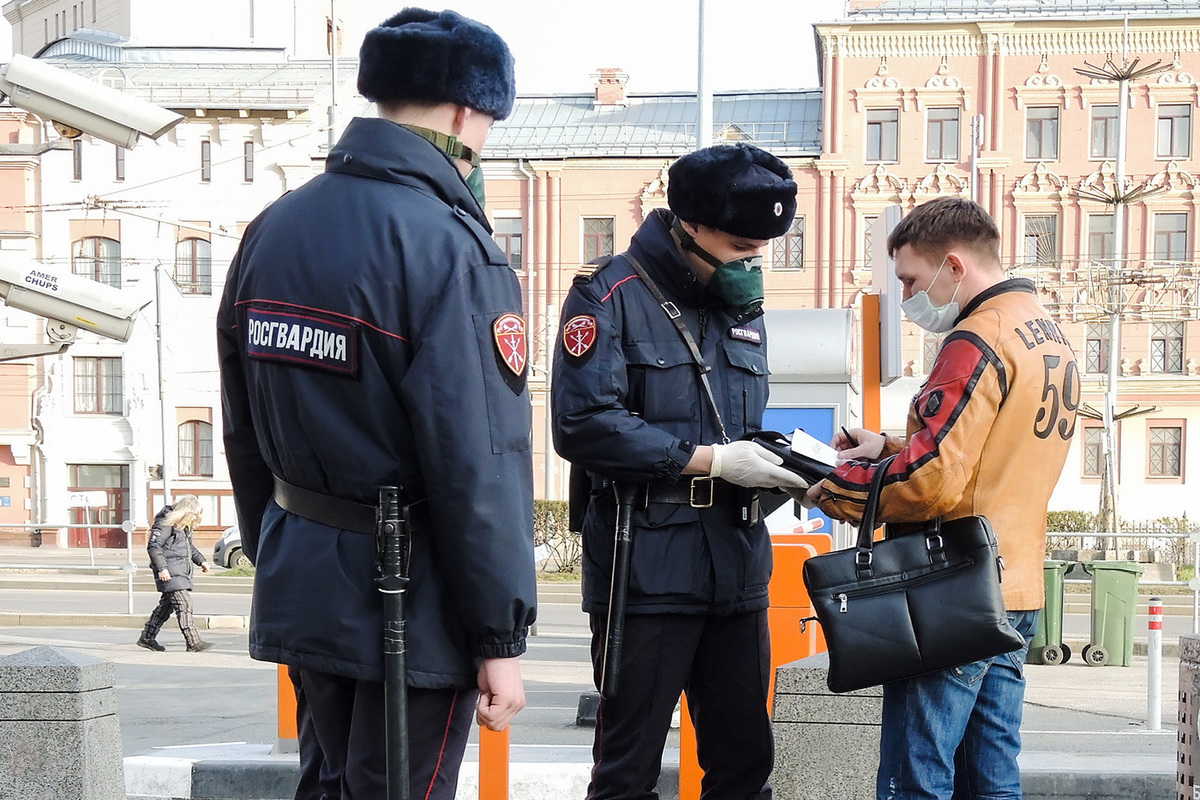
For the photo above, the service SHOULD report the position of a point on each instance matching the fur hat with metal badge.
(735, 188)
(437, 57)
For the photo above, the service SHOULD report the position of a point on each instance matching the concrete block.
(826, 744)
(59, 735)
(1188, 736)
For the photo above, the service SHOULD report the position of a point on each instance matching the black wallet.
(780, 444)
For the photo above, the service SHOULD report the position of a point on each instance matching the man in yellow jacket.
(988, 434)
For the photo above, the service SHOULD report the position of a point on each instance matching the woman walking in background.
(172, 554)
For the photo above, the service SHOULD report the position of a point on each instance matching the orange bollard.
(493, 764)
(690, 773)
(789, 604)
(288, 738)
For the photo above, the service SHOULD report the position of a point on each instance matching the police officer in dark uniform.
(371, 334)
(638, 398)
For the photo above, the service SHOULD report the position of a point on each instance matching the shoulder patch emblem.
(509, 333)
(933, 403)
(305, 338)
(579, 334)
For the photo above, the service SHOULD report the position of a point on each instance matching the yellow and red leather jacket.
(988, 434)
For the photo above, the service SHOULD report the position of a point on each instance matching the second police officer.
(661, 366)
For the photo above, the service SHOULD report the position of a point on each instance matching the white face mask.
(921, 310)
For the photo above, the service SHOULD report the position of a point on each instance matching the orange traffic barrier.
(789, 640)
(493, 764)
(287, 712)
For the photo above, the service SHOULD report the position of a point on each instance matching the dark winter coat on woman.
(172, 549)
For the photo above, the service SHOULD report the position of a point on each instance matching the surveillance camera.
(68, 300)
(81, 104)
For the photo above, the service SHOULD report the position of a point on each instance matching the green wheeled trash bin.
(1114, 600)
(1047, 646)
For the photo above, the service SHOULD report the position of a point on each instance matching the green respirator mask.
(453, 147)
(739, 282)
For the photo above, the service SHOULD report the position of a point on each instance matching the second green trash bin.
(1047, 646)
(1114, 600)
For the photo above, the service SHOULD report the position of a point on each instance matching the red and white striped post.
(1154, 672)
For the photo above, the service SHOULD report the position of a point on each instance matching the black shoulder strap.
(676, 320)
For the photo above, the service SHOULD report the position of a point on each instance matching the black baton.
(392, 543)
(610, 670)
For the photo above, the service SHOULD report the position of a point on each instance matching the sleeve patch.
(579, 334)
(306, 339)
(508, 331)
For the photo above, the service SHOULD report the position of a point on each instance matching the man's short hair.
(933, 229)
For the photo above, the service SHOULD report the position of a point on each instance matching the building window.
(205, 160)
(941, 135)
(1166, 451)
(883, 131)
(1041, 134)
(1093, 451)
(1170, 236)
(1041, 239)
(597, 238)
(507, 231)
(1100, 237)
(1104, 132)
(1095, 346)
(98, 386)
(248, 162)
(97, 258)
(1166, 347)
(868, 224)
(193, 266)
(195, 449)
(931, 343)
(1174, 131)
(77, 159)
(119, 171)
(787, 251)
(114, 480)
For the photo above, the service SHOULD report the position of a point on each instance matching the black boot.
(199, 647)
(150, 643)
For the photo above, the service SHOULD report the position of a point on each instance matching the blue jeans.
(955, 734)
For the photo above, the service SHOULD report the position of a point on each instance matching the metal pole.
(333, 42)
(703, 92)
(162, 397)
(550, 476)
(1154, 673)
(976, 137)
(1108, 503)
(127, 526)
(1196, 587)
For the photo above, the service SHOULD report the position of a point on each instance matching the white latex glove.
(746, 463)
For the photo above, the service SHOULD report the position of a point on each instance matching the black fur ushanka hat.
(437, 57)
(735, 188)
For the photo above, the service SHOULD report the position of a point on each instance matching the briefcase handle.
(866, 529)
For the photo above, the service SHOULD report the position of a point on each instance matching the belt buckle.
(692, 501)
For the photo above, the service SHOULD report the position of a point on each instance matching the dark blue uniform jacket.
(631, 407)
(370, 334)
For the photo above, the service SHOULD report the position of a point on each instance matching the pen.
(849, 438)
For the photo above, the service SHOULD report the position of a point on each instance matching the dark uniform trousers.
(662, 656)
(345, 744)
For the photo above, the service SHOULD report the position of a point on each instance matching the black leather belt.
(325, 509)
(697, 492)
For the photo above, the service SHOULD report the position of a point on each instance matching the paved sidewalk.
(207, 730)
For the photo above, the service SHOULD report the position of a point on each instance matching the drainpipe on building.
(547, 471)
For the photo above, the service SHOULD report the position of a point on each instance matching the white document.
(806, 445)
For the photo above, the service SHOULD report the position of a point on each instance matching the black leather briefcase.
(910, 605)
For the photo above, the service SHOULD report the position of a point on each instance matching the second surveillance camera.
(69, 299)
(87, 106)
